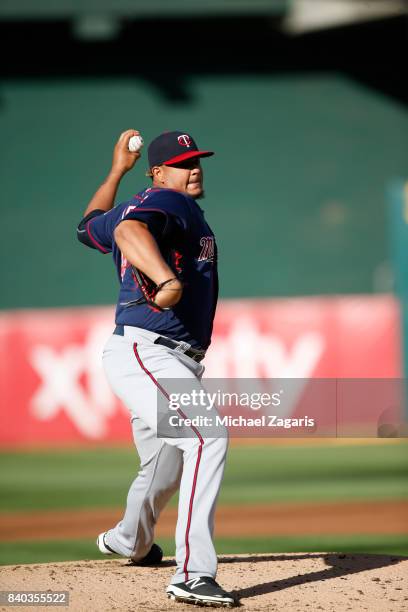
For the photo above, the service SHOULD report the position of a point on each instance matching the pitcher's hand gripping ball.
(135, 143)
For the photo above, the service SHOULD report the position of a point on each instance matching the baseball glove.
(149, 290)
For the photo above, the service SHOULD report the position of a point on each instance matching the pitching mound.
(298, 581)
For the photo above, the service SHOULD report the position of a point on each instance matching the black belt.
(179, 347)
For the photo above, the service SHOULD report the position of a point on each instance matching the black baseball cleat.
(201, 591)
(153, 557)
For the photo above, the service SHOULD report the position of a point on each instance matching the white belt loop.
(182, 347)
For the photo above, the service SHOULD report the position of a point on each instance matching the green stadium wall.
(295, 193)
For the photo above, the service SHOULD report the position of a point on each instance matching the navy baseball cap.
(172, 148)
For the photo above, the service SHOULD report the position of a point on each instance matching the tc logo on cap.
(172, 148)
(184, 140)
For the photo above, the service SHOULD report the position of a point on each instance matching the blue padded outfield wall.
(295, 194)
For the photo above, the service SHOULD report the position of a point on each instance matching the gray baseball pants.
(133, 365)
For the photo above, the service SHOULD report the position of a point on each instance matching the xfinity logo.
(72, 380)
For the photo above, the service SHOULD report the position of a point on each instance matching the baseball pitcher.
(166, 261)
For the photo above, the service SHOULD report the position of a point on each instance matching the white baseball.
(135, 143)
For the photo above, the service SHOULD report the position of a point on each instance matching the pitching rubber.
(200, 602)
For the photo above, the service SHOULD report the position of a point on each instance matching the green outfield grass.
(101, 477)
(45, 551)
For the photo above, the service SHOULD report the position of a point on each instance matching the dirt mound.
(298, 581)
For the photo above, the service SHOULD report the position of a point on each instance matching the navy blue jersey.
(188, 246)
